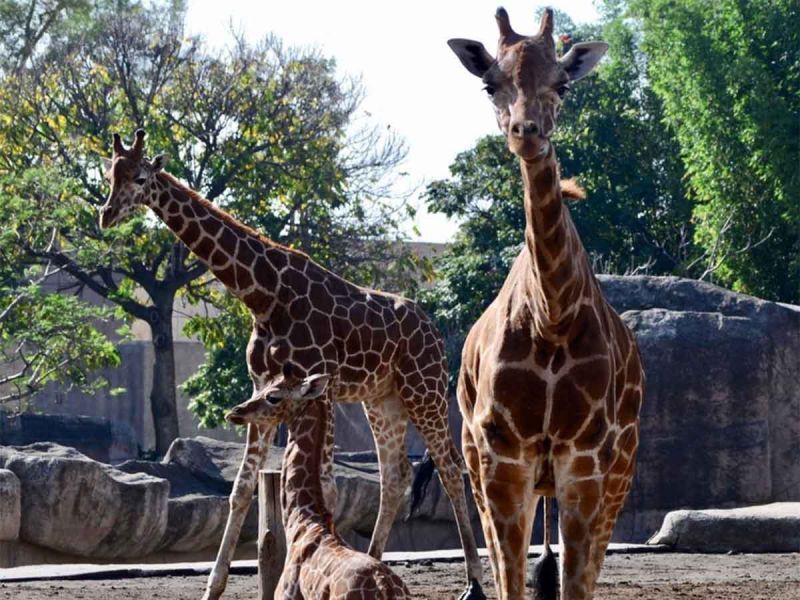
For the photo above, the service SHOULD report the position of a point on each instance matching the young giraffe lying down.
(319, 564)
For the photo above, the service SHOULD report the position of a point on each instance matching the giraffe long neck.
(307, 453)
(245, 262)
(560, 267)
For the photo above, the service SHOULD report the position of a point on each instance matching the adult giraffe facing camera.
(551, 381)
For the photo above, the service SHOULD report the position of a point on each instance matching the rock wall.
(96, 437)
(73, 504)
(61, 506)
(720, 424)
(10, 506)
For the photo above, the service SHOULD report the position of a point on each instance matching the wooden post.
(271, 535)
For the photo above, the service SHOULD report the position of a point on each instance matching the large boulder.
(720, 423)
(75, 505)
(96, 437)
(208, 460)
(202, 470)
(680, 294)
(770, 528)
(197, 509)
(10, 506)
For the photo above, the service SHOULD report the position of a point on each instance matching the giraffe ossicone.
(385, 351)
(551, 381)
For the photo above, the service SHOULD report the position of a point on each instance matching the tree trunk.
(163, 403)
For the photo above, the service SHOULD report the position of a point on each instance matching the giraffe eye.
(562, 90)
(489, 89)
(273, 399)
(140, 180)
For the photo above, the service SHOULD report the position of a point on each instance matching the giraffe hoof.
(473, 592)
(211, 595)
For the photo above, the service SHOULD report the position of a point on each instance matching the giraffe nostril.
(524, 128)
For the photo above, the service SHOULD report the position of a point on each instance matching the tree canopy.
(45, 337)
(728, 74)
(267, 132)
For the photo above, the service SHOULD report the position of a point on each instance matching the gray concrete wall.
(132, 407)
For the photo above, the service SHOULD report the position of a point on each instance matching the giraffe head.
(128, 172)
(527, 80)
(281, 400)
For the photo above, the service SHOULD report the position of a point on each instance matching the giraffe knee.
(456, 457)
(241, 496)
(406, 473)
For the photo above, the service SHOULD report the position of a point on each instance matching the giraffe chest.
(533, 389)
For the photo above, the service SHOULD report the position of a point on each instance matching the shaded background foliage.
(728, 74)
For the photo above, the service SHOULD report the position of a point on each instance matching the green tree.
(611, 136)
(728, 73)
(45, 337)
(260, 129)
(25, 25)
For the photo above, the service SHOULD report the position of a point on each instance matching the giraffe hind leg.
(617, 486)
(472, 460)
(581, 510)
(435, 432)
(509, 514)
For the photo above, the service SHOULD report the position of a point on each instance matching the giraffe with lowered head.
(386, 351)
(551, 381)
(319, 564)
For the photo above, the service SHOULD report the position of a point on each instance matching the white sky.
(413, 81)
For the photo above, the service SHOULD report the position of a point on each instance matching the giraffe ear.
(472, 55)
(582, 58)
(107, 162)
(314, 385)
(159, 162)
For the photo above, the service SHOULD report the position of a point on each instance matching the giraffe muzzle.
(236, 416)
(107, 216)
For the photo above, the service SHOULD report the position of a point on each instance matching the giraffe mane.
(227, 218)
(571, 190)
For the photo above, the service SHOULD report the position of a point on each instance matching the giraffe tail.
(419, 488)
(544, 575)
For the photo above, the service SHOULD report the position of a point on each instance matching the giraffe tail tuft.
(419, 488)
(544, 575)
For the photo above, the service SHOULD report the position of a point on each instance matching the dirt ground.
(624, 577)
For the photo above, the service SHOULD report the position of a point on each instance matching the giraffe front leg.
(327, 477)
(473, 562)
(580, 509)
(388, 420)
(507, 518)
(258, 440)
